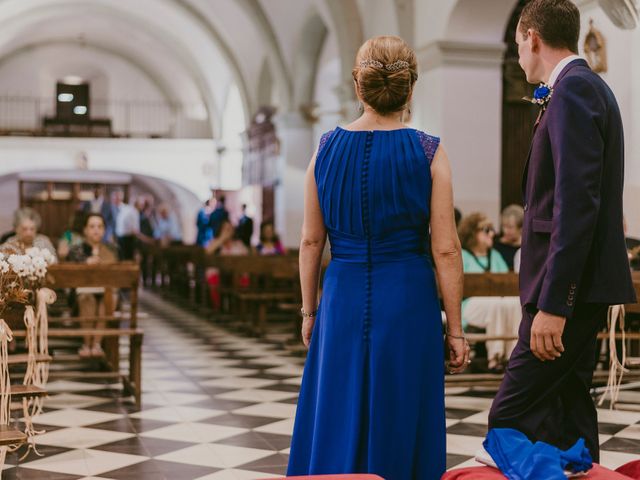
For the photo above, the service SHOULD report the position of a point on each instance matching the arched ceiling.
(192, 50)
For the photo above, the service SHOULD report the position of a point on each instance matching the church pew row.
(506, 284)
(112, 277)
(185, 267)
(246, 288)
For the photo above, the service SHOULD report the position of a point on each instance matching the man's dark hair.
(91, 215)
(556, 21)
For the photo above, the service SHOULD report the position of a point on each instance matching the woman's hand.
(93, 260)
(307, 329)
(458, 354)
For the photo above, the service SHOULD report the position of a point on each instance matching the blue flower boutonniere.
(541, 95)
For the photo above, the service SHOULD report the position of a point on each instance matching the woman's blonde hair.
(469, 227)
(385, 72)
(513, 211)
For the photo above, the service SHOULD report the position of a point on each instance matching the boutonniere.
(541, 95)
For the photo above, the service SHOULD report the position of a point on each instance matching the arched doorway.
(518, 116)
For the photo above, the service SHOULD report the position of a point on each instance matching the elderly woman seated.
(498, 316)
(90, 300)
(26, 223)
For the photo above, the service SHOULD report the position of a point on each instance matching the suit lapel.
(526, 165)
(575, 63)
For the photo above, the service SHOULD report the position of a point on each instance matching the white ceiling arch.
(170, 32)
(214, 43)
(307, 58)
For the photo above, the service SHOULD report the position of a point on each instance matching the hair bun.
(385, 72)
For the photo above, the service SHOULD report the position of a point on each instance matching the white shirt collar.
(561, 64)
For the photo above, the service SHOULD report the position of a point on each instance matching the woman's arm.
(314, 235)
(447, 256)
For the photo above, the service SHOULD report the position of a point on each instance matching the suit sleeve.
(577, 146)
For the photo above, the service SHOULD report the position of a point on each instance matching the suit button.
(526, 207)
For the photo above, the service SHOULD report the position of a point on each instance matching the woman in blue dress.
(372, 394)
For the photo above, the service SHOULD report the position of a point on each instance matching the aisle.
(219, 406)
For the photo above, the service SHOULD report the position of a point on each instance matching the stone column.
(296, 148)
(459, 98)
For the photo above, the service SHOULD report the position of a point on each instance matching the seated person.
(72, 236)
(90, 300)
(167, 230)
(227, 242)
(511, 238)
(496, 315)
(26, 223)
(269, 241)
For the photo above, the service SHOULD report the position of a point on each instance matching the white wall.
(458, 96)
(326, 89)
(296, 137)
(190, 166)
(623, 76)
(188, 163)
(379, 17)
(459, 104)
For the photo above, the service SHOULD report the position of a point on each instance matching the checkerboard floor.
(220, 406)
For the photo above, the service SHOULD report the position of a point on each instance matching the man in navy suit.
(574, 263)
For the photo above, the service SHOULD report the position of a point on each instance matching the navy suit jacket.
(573, 245)
(217, 218)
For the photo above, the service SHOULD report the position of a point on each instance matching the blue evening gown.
(372, 393)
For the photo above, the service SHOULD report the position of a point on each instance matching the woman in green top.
(478, 255)
(73, 236)
(495, 315)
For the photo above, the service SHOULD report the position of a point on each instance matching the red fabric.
(487, 473)
(213, 279)
(631, 469)
(348, 476)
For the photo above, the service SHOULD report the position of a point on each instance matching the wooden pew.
(178, 272)
(112, 277)
(507, 284)
(271, 280)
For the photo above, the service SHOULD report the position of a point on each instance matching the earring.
(361, 108)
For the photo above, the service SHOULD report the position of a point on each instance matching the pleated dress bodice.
(374, 189)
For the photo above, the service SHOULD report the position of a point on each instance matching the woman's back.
(374, 189)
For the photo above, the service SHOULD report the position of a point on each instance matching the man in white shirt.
(127, 226)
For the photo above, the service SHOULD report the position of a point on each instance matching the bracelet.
(308, 314)
(456, 337)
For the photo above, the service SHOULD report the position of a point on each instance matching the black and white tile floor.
(219, 406)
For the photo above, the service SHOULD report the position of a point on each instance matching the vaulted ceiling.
(192, 50)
